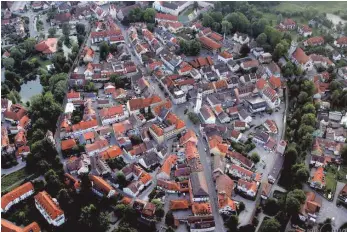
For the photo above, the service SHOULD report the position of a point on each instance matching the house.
(321, 60)
(242, 173)
(198, 187)
(124, 11)
(225, 56)
(189, 136)
(241, 38)
(210, 44)
(226, 205)
(206, 114)
(261, 137)
(281, 147)
(271, 97)
(272, 70)
(88, 55)
(101, 188)
(336, 56)
(99, 166)
(244, 116)
(257, 51)
(240, 125)
(167, 127)
(235, 136)
(73, 96)
(224, 184)
(202, 62)
(159, 17)
(310, 209)
(49, 208)
(134, 188)
(314, 41)
(200, 209)
(288, 24)
(113, 114)
(341, 42)
(112, 153)
(97, 147)
(318, 179)
(171, 60)
(16, 195)
(265, 58)
(7, 226)
(255, 105)
(248, 65)
(134, 105)
(68, 144)
(299, 57)
(165, 170)
(171, 7)
(79, 165)
(248, 188)
(60, 19)
(148, 212)
(14, 113)
(168, 186)
(5, 105)
(271, 126)
(275, 82)
(179, 204)
(47, 47)
(20, 138)
(342, 72)
(265, 190)
(305, 30)
(149, 160)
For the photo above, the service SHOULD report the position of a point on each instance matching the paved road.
(19, 166)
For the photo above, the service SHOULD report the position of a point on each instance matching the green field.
(43, 63)
(330, 180)
(13, 178)
(343, 173)
(321, 7)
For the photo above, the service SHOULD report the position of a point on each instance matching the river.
(335, 19)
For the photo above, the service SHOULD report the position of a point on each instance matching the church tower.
(292, 48)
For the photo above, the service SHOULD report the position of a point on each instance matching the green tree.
(226, 27)
(303, 97)
(80, 39)
(294, 200)
(51, 32)
(270, 225)
(308, 87)
(124, 227)
(194, 47)
(344, 154)
(274, 36)
(207, 20)
(80, 28)
(309, 108)
(64, 199)
(159, 213)
(232, 223)
(301, 173)
(217, 16)
(148, 15)
(104, 50)
(8, 63)
(280, 50)
(279, 18)
(16, 54)
(169, 218)
(66, 29)
(121, 180)
(29, 45)
(14, 96)
(261, 39)
(239, 21)
(120, 209)
(255, 157)
(54, 183)
(88, 216)
(271, 207)
(258, 26)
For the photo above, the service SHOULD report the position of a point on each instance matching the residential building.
(101, 188)
(241, 38)
(261, 137)
(7, 226)
(16, 195)
(265, 58)
(49, 208)
(314, 41)
(240, 160)
(341, 42)
(206, 114)
(248, 188)
(165, 170)
(310, 209)
(288, 24)
(299, 57)
(113, 114)
(14, 113)
(305, 30)
(97, 147)
(198, 187)
(318, 179)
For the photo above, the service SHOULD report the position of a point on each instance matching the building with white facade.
(49, 208)
(16, 195)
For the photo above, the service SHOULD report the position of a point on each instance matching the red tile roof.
(166, 17)
(179, 204)
(342, 40)
(111, 112)
(168, 163)
(47, 46)
(209, 43)
(315, 40)
(226, 55)
(47, 203)
(275, 82)
(111, 153)
(85, 125)
(99, 144)
(73, 94)
(67, 144)
(260, 83)
(101, 184)
(15, 193)
(140, 103)
(7, 226)
(300, 56)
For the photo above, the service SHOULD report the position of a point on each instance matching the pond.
(335, 19)
(29, 89)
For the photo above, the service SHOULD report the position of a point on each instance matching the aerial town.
(140, 116)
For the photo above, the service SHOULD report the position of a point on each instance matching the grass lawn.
(43, 63)
(12, 178)
(321, 7)
(330, 180)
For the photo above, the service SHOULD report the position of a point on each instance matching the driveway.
(20, 165)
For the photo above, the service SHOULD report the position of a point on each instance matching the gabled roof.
(225, 185)
(7, 226)
(300, 56)
(166, 17)
(209, 43)
(99, 183)
(16, 193)
(47, 203)
(140, 103)
(179, 204)
(198, 183)
(201, 208)
(67, 144)
(111, 153)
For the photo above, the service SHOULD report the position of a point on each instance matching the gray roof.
(261, 135)
(213, 99)
(205, 112)
(151, 159)
(243, 113)
(199, 185)
(169, 5)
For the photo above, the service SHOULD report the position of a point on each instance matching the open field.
(12, 178)
(321, 7)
